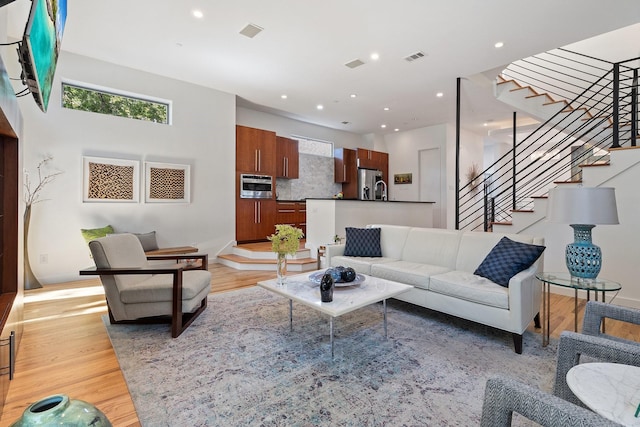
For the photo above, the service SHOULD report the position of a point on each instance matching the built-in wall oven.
(256, 186)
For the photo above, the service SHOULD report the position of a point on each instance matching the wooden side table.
(578, 284)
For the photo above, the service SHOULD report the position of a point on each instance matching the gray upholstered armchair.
(595, 344)
(139, 292)
(504, 396)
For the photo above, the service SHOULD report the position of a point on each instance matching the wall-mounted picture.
(166, 182)
(402, 178)
(110, 180)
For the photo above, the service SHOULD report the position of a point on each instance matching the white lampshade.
(582, 205)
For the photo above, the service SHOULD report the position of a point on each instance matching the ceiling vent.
(355, 63)
(415, 56)
(346, 123)
(251, 30)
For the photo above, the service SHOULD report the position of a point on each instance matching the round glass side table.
(565, 280)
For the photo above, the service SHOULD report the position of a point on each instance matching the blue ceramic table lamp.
(583, 208)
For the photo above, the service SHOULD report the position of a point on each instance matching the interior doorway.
(431, 182)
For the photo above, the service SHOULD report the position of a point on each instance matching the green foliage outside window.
(84, 99)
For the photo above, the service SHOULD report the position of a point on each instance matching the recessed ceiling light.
(498, 45)
(198, 14)
(320, 107)
(353, 95)
(396, 130)
(375, 56)
(283, 96)
(439, 94)
(383, 126)
(485, 124)
(386, 108)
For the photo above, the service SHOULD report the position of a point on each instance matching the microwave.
(256, 186)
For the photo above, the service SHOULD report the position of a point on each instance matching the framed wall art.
(110, 180)
(402, 178)
(167, 182)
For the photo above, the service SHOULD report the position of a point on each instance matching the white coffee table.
(609, 389)
(345, 299)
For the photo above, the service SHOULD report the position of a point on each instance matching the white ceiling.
(305, 44)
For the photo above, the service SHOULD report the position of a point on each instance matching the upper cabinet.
(286, 158)
(371, 159)
(255, 151)
(345, 171)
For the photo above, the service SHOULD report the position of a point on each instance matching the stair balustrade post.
(515, 143)
(616, 105)
(634, 108)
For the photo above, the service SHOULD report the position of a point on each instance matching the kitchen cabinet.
(255, 219)
(370, 159)
(286, 158)
(255, 151)
(292, 213)
(346, 171)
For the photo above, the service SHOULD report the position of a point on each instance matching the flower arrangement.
(286, 239)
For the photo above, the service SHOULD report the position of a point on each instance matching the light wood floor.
(65, 347)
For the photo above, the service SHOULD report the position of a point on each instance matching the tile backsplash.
(315, 180)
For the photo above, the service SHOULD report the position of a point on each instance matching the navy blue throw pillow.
(507, 259)
(363, 242)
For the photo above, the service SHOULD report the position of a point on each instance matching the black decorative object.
(326, 288)
(348, 275)
(335, 273)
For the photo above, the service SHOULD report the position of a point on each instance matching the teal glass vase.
(59, 410)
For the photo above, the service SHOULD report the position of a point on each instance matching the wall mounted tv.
(40, 47)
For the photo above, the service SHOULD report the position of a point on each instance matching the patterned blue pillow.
(363, 242)
(507, 259)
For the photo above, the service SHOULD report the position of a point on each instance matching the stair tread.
(579, 181)
(588, 165)
(539, 197)
(501, 223)
(523, 210)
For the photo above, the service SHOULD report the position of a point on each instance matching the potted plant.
(285, 241)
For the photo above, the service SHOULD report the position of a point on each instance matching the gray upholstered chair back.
(118, 251)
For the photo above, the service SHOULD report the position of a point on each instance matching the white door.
(430, 182)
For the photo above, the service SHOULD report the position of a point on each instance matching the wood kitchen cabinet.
(255, 151)
(292, 213)
(346, 171)
(287, 158)
(370, 159)
(255, 219)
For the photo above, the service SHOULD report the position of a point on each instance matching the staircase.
(588, 109)
(258, 256)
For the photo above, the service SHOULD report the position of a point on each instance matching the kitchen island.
(329, 217)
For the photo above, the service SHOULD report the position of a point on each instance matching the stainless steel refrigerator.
(367, 179)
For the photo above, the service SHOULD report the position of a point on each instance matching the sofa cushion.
(475, 245)
(159, 287)
(507, 259)
(392, 239)
(410, 273)
(361, 265)
(432, 246)
(362, 242)
(470, 287)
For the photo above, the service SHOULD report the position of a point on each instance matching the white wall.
(404, 147)
(287, 127)
(202, 135)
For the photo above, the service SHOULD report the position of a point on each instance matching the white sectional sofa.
(440, 264)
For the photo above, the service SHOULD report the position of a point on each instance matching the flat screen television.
(40, 47)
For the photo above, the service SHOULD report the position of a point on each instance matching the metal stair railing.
(603, 115)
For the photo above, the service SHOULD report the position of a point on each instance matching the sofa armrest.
(525, 297)
(333, 250)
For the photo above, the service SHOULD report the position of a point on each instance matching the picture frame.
(167, 182)
(402, 178)
(110, 180)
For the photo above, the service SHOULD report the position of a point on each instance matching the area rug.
(239, 364)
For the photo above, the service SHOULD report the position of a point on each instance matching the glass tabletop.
(568, 281)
